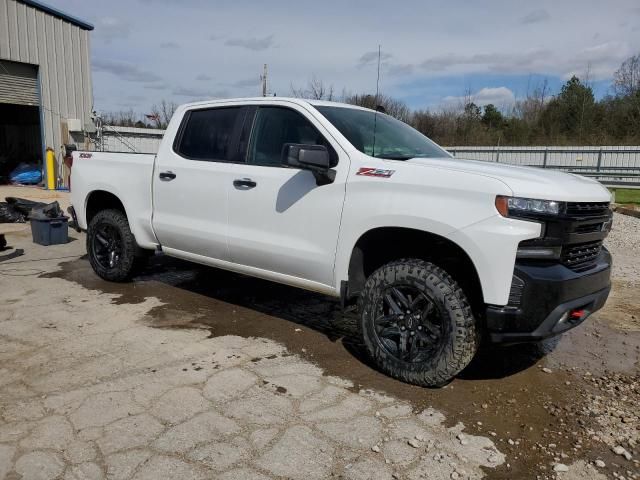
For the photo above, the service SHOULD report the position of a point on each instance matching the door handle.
(167, 176)
(247, 183)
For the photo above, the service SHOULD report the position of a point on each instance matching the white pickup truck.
(436, 252)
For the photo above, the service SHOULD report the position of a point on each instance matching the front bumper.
(544, 297)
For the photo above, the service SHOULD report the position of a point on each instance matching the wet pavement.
(532, 400)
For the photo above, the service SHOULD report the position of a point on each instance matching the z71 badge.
(375, 172)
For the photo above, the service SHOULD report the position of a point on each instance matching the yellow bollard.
(51, 169)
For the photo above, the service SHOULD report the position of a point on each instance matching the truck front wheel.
(416, 323)
(112, 248)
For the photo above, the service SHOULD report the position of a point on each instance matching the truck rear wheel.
(416, 323)
(112, 248)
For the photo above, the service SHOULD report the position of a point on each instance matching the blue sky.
(433, 52)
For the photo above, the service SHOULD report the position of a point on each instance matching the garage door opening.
(20, 119)
(19, 137)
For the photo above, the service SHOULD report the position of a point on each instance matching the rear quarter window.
(207, 134)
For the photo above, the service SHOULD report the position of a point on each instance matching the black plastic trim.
(552, 325)
(74, 218)
(549, 291)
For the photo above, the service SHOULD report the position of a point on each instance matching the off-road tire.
(462, 333)
(130, 259)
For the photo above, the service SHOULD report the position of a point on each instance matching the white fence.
(614, 166)
(129, 139)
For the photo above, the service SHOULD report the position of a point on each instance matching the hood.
(527, 182)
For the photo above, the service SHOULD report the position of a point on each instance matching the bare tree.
(161, 114)
(391, 106)
(530, 108)
(122, 118)
(626, 80)
(315, 89)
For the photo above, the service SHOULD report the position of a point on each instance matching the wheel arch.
(98, 200)
(381, 245)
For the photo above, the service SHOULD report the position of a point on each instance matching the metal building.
(46, 95)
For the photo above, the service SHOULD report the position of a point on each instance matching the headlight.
(516, 206)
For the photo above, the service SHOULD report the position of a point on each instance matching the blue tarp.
(26, 174)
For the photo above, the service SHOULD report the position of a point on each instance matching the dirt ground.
(192, 372)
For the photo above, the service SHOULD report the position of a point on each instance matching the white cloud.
(125, 71)
(502, 61)
(191, 93)
(156, 86)
(536, 16)
(253, 43)
(400, 69)
(112, 28)
(501, 97)
(247, 82)
(598, 61)
(429, 50)
(369, 58)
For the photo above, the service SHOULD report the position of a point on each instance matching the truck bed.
(124, 175)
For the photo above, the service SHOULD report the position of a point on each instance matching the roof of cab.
(297, 101)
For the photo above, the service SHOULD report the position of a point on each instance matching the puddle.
(503, 391)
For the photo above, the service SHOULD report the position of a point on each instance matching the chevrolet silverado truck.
(434, 253)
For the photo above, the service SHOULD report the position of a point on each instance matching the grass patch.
(627, 195)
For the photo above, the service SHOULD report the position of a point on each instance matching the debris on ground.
(17, 210)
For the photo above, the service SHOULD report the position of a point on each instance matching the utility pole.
(264, 81)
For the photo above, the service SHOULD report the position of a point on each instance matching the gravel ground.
(624, 244)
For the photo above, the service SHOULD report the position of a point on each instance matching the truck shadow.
(225, 303)
(274, 311)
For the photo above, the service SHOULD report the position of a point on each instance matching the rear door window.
(208, 134)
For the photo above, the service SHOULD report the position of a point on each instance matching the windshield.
(393, 139)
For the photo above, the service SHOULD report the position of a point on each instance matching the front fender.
(492, 245)
(432, 200)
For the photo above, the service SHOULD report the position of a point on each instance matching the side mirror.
(309, 157)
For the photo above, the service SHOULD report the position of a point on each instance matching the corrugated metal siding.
(61, 51)
(18, 83)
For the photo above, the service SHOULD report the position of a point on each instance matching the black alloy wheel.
(107, 246)
(416, 323)
(112, 248)
(409, 324)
